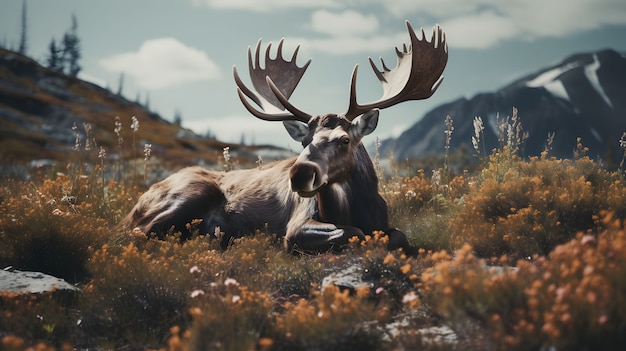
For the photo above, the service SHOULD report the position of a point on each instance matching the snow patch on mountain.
(591, 72)
(549, 76)
(557, 89)
(549, 81)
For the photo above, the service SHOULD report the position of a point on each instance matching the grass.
(520, 254)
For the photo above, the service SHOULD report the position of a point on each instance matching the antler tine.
(417, 74)
(273, 84)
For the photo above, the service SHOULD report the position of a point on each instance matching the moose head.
(331, 141)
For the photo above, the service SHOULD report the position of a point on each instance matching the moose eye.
(345, 141)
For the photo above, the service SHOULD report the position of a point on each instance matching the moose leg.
(398, 240)
(316, 236)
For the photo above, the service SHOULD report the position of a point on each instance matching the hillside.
(39, 107)
(583, 96)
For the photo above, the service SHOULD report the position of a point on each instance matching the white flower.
(196, 293)
(409, 297)
(230, 281)
(135, 124)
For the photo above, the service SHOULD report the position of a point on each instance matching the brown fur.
(242, 201)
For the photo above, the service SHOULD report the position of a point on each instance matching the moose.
(318, 200)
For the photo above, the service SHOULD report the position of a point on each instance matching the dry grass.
(524, 255)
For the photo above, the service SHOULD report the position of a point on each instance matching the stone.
(31, 282)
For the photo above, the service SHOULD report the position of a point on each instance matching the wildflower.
(410, 299)
(550, 140)
(195, 312)
(77, 140)
(230, 281)
(194, 269)
(436, 178)
(379, 290)
(266, 343)
(478, 126)
(226, 155)
(87, 127)
(118, 131)
(406, 269)
(135, 124)
(622, 141)
(622, 144)
(475, 144)
(196, 293)
(102, 154)
(235, 298)
(448, 131)
(389, 259)
(410, 194)
(57, 212)
(147, 151)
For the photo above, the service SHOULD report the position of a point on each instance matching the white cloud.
(478, 31)
(484, 23)
(346, 23)
(348, 45)
(472, 24)
(162, 63)
(346, 33)
(265, 5)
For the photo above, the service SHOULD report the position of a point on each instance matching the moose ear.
(365, 123)
(298, 130)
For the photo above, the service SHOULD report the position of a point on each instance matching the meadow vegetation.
(517, 254)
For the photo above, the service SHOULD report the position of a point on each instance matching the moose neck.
(356, 201)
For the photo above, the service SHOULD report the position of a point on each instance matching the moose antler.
(416, 76)
(274, 84)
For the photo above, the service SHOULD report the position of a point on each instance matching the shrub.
(422, 206)
(575, 298)
(228, 316)
(136, 295)
(49, 316)
(45, 227)
(527, 208)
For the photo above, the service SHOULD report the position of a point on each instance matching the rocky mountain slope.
(583, 96)
(40, 107)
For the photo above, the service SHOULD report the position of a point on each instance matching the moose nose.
(306, 178)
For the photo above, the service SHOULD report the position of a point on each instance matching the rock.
(348, 278)
(438, 336)
(31, 282)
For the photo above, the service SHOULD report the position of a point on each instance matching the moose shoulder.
(318, 200)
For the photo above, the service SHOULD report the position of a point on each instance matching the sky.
(179, 54)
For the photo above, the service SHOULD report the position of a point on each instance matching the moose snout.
(307, 178)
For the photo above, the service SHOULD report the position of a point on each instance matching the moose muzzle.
(307, 178)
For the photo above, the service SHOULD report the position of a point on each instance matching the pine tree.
(71, 49)
(23, 37)
(120, 86)
(178, 118)
(54, 60)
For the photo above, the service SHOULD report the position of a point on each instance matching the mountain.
(39, 107)
(583, 96)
